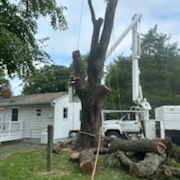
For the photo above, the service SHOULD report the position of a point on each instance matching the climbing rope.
(97, 155)
(80, 22)
(116, 72)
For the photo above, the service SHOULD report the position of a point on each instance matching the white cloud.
(16, 86)
(158, 12)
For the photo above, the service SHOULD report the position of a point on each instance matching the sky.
(164, 13)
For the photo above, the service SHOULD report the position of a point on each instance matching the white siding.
(33, 125)
(62, 126)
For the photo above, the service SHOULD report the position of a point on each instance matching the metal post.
(49, 147)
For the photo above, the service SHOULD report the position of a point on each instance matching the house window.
(38, 112)
(15, 113)
(65, 113)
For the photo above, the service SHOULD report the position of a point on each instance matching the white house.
(27, 117)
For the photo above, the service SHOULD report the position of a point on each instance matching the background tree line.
(160, 73)
(159, 63)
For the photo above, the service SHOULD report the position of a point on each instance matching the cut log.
(169, 171)
(102, 150)
(144, 168)
(74, 156)
(148, 166)
(147, 146)
(86, 158)
(125, 160)
(57, 148)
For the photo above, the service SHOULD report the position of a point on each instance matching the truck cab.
(127, 125)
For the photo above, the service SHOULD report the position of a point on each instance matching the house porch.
(10, 131)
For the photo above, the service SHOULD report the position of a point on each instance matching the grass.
(28, 162)
(22, 161)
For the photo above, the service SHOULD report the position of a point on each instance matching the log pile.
(153, 153)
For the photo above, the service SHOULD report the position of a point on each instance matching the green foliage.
(119, 80)
(160, 69)
(160, 73)
(48, 79)
(18, 47)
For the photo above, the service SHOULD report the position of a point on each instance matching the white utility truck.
(171, 118)
(133, 123)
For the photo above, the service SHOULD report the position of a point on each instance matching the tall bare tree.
(90, 90)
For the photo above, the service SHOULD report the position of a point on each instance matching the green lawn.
(22, 161)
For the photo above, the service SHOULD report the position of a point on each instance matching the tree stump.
(86, 158)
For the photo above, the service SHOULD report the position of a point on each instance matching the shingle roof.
(44, 98)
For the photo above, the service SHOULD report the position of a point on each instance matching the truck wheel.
(113, 134)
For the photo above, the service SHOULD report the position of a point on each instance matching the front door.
(15, 114)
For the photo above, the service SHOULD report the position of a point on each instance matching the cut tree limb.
(148, 166)
(57, 149)
(155, 146)
(169, 171)
(144, 168)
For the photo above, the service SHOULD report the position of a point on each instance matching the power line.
(80, 22)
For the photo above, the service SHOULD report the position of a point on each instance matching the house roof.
(44, 98)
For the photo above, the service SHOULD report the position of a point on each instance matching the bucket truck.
(133, 123)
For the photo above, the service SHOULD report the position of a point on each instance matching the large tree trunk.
(91, 109)
(88, 87)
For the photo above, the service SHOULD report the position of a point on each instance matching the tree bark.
(144, 168)
(89, 89)
(74, 156)
(156, 146)
(57, 148)
(86, 160)
(171, 171)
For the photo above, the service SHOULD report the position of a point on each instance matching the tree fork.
(89, 89)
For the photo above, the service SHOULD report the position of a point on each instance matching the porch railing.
(10, 130)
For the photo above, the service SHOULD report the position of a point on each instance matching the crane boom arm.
(123, 35)
(137, 95)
